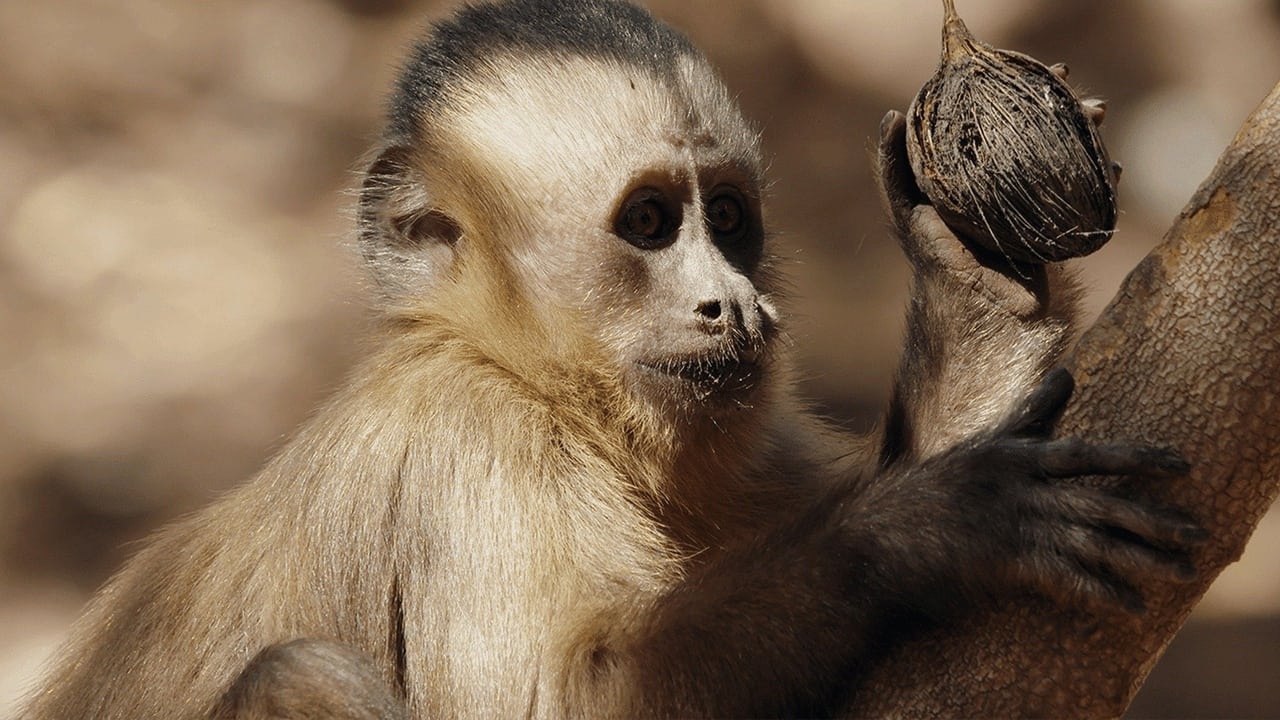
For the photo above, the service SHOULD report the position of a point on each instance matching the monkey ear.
(408, 243)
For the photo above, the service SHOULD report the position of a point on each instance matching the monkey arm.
(1186, 354)
(777, 627)
(313, 679)
(981, 332)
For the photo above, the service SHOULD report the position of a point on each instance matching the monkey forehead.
(449, 55)
(566, 119)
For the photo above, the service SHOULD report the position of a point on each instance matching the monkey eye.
(727, 214)
(646, 220)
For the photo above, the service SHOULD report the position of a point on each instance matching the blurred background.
(176, 294)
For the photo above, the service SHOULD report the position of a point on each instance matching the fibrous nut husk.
(1003, 150)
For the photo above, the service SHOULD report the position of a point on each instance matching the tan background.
(175, 293)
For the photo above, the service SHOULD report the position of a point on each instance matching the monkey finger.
(1099, 584)
(1126, 596)
(898, 188)
(1073, 457)
(1060, 70)
(1089, 581)
(1039, 413)
(932, 239)
(1158, 527)
(1096, 546)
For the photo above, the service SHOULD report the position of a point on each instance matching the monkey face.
(665, 266)
(684, 259)
(608, 215)
(624, 209)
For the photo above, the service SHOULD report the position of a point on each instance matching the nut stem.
(957, 41)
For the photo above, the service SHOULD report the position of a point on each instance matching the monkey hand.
(1065, 539)
(930, 244)
(922, 232)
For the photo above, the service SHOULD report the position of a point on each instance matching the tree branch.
(1188, 356)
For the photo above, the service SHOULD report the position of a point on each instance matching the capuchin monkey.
(572, 477)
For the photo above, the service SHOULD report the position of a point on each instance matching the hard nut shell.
(1003, 150)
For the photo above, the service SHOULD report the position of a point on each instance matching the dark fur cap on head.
(608, 29)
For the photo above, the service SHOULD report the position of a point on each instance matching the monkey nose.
(712, 318)
(718, 317)
(709, 311)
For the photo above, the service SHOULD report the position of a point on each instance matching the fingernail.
(1173, 464)
(1193, 535)
(887, 122)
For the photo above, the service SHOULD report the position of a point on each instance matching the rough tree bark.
(1188, 356)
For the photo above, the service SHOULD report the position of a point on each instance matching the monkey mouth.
(713, 372)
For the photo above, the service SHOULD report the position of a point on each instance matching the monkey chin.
(713, 384)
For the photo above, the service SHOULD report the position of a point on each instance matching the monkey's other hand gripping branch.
(1022, 525)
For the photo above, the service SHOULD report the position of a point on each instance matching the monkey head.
(569, 185)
